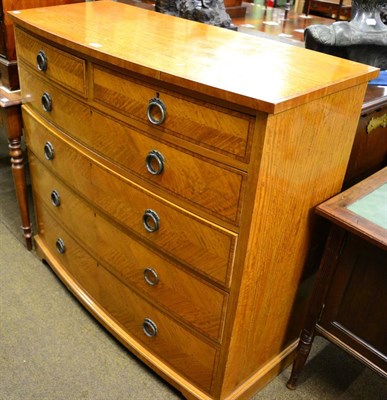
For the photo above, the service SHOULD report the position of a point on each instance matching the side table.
(349, 299)
(10, 114)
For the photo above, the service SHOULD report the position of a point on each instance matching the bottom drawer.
(173, 344)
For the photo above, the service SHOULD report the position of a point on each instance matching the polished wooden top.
(246, 70)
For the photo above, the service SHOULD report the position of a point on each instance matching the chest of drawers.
(173, 199)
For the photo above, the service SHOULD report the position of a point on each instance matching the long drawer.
(205, 184)
(202, 245)
(211, 126)
(158, 279)
(63, 68)
(160, 334)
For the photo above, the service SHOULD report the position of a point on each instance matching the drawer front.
(54, 64)
(135, 265)
(200, 182)
(204, 246)
(172, 343)
(213, 127)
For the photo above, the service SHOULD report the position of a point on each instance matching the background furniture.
(350, 296)
(173, 201)
(349, 301)
(10, 120)
(369, 150)
(8, 63)
(339, 9)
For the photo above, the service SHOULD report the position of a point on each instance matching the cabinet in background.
(8, 64)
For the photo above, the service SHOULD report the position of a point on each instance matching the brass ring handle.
(49, 151)
(55, 198)
(155, 162)
(151, 220)
(151, 277)
(149, 327)
(47, 102)
(41, 61)
(156, 111)
(60, 246)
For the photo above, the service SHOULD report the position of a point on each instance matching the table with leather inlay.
(350, 294)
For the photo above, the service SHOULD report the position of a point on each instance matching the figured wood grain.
(217, 128)
(215, 189)
(195, 361)
(297, 156)
(62, 68)
(183, 295)
(266, 75)
(206, 247)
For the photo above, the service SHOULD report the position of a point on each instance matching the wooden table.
(10, 103)
(350, 295)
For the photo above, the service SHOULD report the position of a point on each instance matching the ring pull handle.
(156, 111)
(151, 220)
(149, 327)
(47, 102)
(41, 61)
(49, 151)
(155, 162)
(151, 277)
(60, 246)
(55, 198)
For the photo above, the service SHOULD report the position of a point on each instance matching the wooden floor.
(271, 21)
(266, 22)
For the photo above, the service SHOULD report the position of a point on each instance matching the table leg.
(13, 126)
(335, 243)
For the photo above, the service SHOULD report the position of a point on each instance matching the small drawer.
(215, 189)
(52, 63)
(214, 127)
(202, 245)
(167, 339)
(134, 264)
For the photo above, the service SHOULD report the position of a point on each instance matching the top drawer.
(207, 125)
(56, 65)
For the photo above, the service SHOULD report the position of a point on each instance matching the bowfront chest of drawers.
(173, 198)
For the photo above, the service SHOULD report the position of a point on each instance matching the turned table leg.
(11, 118)
(335, 242)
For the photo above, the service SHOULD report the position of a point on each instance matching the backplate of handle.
(156, 111)
(149, 327)
(55, 198)
(47, 102)
(60, 246)
(151, 220)
(41, 61)
(49, 152)
(155, 162)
